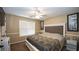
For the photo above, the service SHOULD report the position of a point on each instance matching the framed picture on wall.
(42, 25)
(72, 22)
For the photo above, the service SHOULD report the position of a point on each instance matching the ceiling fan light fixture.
(37, 14)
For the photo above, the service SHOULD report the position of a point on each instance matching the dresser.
(5, 41)
(71, 45)
(72, 42)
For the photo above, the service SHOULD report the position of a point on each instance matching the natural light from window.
(26, 28)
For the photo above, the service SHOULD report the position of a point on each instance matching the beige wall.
(12, 27)
(58, 20)
(37, 26)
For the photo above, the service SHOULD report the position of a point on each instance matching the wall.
(37, 26)
(12, 27)
(58, 20)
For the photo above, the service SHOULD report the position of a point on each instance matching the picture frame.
(72, 22)
(42, 25)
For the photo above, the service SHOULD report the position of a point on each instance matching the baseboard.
(17, 42)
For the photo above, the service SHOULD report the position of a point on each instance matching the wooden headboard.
(56, 28)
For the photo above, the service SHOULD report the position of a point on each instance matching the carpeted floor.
(19, 47)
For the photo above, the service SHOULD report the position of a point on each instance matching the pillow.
(53, 35)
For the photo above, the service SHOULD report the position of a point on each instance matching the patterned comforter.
(44, 43)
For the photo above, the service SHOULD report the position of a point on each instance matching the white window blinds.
(26, 28)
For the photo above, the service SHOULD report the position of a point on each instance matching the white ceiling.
(47, 11)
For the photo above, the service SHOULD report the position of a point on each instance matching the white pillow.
(53, 35)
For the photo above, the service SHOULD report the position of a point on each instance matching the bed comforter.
(44, 43)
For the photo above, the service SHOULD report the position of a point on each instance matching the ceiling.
(47, 12)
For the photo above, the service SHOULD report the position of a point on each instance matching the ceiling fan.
(37, 14)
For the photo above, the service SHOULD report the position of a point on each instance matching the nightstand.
(71, 45)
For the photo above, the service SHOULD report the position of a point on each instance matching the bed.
(52, 39)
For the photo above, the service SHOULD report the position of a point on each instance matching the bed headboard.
(55, 28)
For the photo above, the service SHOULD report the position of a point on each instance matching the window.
(26, 28)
